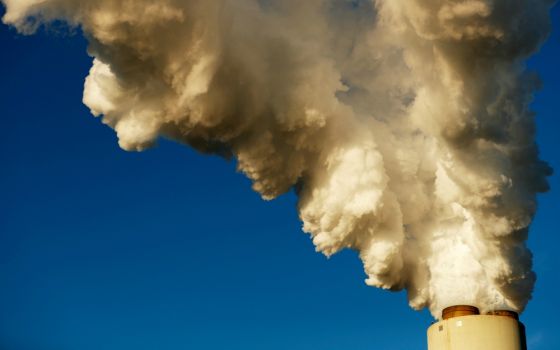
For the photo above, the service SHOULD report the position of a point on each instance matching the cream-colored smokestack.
(463, 328)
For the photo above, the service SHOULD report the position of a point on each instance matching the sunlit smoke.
(404, 125)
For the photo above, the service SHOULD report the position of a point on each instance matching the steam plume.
(404, 125)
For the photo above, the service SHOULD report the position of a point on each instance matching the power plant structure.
(463, 328)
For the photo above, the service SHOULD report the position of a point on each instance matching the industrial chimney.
(463, 328)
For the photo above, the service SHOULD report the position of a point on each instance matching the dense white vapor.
(404, 125)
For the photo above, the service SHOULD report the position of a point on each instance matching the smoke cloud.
(403, 125)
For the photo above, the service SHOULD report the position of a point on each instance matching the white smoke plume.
(403, 125)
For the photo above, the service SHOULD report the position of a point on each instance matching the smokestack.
(463, 328)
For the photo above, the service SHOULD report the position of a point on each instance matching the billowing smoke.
(403, 125)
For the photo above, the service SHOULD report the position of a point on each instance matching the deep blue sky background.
(101, 249)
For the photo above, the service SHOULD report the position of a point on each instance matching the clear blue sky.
(101, 249)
